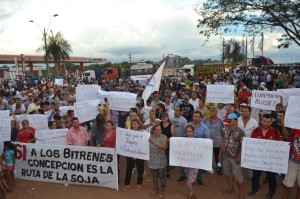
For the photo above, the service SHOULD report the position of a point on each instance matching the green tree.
(235, 57)
(58, 49)
(216, 16)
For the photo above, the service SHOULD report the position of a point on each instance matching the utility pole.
(223, 51)
(129, 56)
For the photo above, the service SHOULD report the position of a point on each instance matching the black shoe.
(266, 181)
(182, 178)
(168, 175)
(270, 195)
(252, 193)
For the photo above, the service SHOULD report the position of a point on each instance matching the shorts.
(8, 167)
(292, 174)
(232, 169)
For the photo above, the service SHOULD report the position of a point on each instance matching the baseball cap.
(232, 116)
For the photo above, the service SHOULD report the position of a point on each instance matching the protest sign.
(292, 114)
(121, 101)
(103, 94)
(64, 109)
(87, 92)
(287, 93)
(59, 82)
(133, 143)
(191, 152)
(51, 136)
(5, 127)
(265, 155)
(36, 121)
(86, 110)
(220, 94)
(67, 164)
(265, 100)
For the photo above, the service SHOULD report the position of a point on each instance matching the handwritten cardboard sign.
(220, 94)
(265, 155)
(51, 136)
(86, 110)
(79, 165)
(191, 152)
(292, 114)
(36, 121)
(5, 128)
(87, 92)
(133, 143)
(265, 100)
(287, 93)
(121, 101)
(59, 82)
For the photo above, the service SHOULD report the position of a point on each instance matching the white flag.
(243, 48)
(261, 44)
(252, 45)
(154, 83)
(232, 46)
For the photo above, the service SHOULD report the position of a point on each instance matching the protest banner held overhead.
(265, 100)
(132, 143)
(220, 93)
(36, 121)
(192, 153)
(121, 101)
(87, 92)
(265, 155)
(86, 110)
(67, 164)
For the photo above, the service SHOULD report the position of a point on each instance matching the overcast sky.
(113, 28)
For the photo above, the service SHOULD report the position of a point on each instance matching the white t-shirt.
(146, 112)
(195, 103)
(250, 126)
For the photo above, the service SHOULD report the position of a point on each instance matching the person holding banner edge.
(157, 162)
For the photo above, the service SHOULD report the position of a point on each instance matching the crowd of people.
(179, 109)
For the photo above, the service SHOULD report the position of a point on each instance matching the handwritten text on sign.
(51, 136)
(87, 92)
(86, 110)
(292, 115)
(5, 126)
(220, 93)
(120, 101)
(133, 143)
(191, 152)
(67, 164)
(265, 155)
(265, 100)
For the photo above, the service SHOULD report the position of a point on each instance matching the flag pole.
(253, 46)
(262, 47)
(246, 50)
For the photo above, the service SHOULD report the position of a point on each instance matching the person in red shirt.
(294, 164)
(243, 96)
(267, 132)
(26, 134)
(109, 138)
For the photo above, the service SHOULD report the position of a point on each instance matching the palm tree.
(58, 49)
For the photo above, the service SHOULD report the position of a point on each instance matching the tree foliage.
(58, 49)
(235, 57)
(253, 15)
